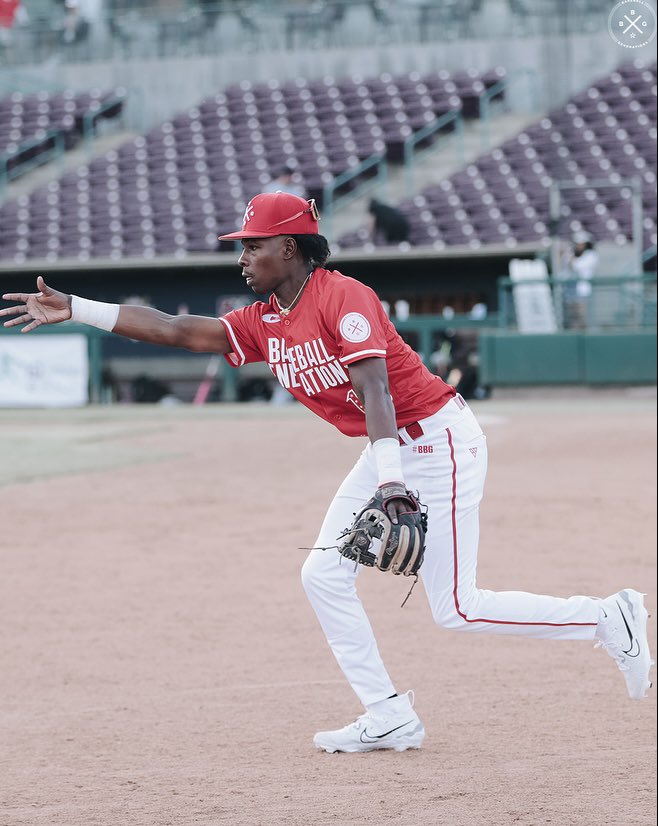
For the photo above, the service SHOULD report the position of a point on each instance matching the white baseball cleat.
(622, 631)
(395, 725)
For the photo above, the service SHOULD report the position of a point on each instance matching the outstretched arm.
(197, 333)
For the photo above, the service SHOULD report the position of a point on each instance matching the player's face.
(263, 263)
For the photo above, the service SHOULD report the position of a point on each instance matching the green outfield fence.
(549, 334)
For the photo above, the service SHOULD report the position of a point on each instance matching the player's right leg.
(330, 583)
(391, 724)
(622, 632)
(452, 489)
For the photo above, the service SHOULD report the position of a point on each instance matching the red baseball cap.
(277, 213)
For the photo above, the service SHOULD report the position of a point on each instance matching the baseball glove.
(375, 540)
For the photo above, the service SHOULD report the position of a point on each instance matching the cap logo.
(248, 215)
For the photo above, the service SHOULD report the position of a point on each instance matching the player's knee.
(323, 574)
(309, 574)
(446, 615)
(314, 572)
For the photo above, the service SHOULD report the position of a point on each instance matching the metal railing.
(53, 145)
(610, 304)
(409, 147)
(637, 212)
(91, 118)
(649, 253)
(190, 28)
(426, 327)
(526, 75)
(330, 201)
(48, 148)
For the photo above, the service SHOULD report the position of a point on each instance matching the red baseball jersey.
(336, 322)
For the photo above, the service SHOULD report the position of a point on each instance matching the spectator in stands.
(11, 13)
(579, 268)
(75, 27)
(387, 224)
(285, 182)
(8, 9)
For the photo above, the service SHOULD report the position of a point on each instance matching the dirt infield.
(160, 664)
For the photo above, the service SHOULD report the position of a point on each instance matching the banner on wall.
(44, 371)
(533, 301)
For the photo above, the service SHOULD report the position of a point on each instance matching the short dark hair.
(314, 249)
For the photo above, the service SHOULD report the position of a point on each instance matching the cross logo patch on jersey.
(355, 327)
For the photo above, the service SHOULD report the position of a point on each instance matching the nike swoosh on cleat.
(634, 643)
(375, 737)
(634, 650)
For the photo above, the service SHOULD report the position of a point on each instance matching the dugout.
(429, 280)
(440, 288)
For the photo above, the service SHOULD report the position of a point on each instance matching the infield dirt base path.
(160, 664)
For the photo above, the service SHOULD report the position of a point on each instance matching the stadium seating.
(605, 133)
(173, 190)
(29, 122)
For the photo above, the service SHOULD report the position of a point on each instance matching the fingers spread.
(23, 319)
(19, 308)
(31, 326)
(16, 296)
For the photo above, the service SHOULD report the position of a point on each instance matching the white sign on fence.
(533, 302)
(44, 371)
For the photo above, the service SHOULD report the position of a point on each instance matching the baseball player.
(328, 341)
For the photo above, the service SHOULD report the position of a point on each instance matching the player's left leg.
(450, 479)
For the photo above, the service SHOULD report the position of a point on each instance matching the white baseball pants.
(447, 466)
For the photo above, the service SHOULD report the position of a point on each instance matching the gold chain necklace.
(285, 310)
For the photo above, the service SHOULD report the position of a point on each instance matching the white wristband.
(95, 313)
(389, 461)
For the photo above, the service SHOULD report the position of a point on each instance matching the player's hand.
(395, 506)
(48, 306)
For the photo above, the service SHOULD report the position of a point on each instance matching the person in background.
(12, 13)
(285, 182)
(8, 10)
(75, 26)
(579, 268)
(387, 224)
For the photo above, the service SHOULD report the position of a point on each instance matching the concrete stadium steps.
(431, 167)
(80, 156)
